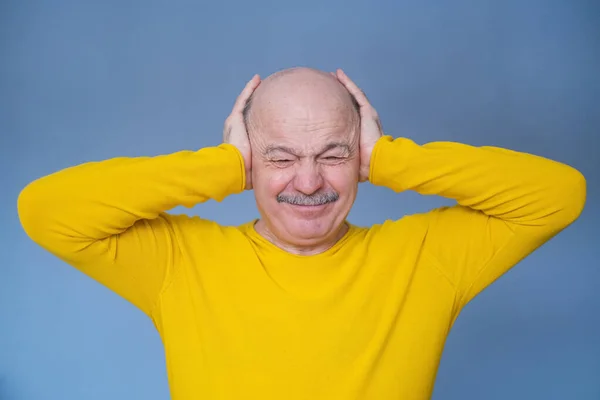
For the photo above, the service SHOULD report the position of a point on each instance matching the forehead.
(305, 131)
(304, 121)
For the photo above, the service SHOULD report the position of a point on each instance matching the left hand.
(370, 126)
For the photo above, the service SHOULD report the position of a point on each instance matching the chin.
(307, 231)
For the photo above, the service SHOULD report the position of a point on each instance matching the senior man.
(301, 304)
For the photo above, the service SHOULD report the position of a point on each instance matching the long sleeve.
(108, 218)
(508, 204)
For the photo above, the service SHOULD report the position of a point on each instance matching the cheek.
(342, 183)
(343, 178)
(269, 181)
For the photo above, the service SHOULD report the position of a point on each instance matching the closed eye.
(281, 162)
(333, 159)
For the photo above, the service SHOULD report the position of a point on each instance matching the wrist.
(243, 177)
(374, 159)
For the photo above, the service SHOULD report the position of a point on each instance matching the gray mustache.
(316, 199)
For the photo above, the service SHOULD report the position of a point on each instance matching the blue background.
(83, 81)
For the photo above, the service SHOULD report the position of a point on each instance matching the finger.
(353, 89)
(243, 97)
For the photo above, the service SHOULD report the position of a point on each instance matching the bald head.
(295, 92)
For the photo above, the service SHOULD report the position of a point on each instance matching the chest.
(366, 329)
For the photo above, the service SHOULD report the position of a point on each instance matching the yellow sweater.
(242, 319)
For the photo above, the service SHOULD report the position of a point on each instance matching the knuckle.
(229, 121)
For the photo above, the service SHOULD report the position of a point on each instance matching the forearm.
(516, 187)
(96, 200)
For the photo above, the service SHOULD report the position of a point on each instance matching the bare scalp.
(300, 93)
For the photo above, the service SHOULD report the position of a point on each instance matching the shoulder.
(408, 225)
(193, 228)
(422, 227)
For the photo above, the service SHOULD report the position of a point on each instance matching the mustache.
(316, 199)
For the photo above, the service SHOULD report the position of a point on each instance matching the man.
(301, 304)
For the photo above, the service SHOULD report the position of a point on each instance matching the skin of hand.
(234, 131)
(370, 125)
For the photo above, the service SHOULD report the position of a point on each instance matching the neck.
(304, 250)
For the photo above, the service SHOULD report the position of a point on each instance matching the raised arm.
(508, 203)
(108, 219)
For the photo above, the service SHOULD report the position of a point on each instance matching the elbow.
(45, 217)
(575, 195)
(27, 209)
(33, 210)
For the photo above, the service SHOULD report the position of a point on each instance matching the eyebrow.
(276, 148)
(330, 146)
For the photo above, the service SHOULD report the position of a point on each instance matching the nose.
(308, 179)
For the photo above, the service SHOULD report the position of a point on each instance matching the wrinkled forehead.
(312, 114)
(306, 128)
(303, 114)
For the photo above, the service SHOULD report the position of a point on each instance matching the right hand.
(235, 132)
